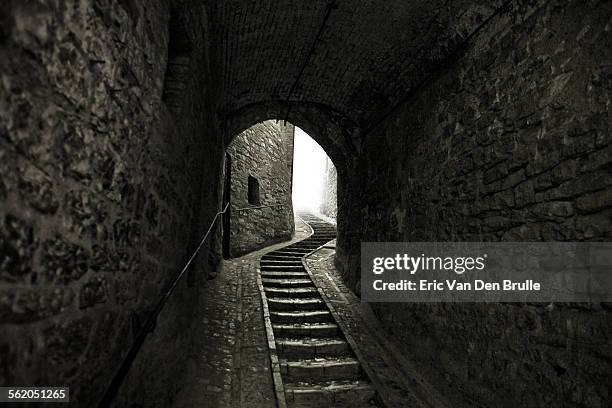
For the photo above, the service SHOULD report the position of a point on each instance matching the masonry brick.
(530, 181)
(96, 171)
(263, 153)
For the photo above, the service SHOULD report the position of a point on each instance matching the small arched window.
(253, 191)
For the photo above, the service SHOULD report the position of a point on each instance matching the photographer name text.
(454, 285)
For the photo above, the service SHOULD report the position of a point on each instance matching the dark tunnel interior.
(136, 133)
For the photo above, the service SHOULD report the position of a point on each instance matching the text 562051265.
(34, 394)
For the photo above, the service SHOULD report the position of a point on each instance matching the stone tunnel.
(446, 121)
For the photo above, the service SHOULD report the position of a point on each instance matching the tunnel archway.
(330, 129)
(334, 132)
(265, 154)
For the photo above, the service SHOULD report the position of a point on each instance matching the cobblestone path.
(232, 362)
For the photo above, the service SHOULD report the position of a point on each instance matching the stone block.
(17, 247)
(92, 292)
(32, 304)
(62, 261)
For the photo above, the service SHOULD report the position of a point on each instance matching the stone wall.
(329, 205)
(264, 153)
(512, 142)
(101, 192)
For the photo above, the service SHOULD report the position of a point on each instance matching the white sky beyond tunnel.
(309, 161)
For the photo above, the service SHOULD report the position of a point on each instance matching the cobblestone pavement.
(231, 365)
(392, 373)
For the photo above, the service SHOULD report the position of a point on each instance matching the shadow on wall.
(519, 150)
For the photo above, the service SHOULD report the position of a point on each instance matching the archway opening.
(273, 170)
(314, 177)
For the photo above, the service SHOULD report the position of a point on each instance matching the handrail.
(258, 207)
(113, 389)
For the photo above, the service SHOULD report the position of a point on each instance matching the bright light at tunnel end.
(309, 173)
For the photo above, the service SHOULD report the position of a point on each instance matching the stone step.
(268, 267)
(307, 249)
(292, 283)
(320, 369)
(281, 258)
(338, 394)
(308, 292)
(271, 274)
(306, 330)
(312, 347)
(318, 243)
(292, 253)
(309, 316)
(291, 249)
(280, 262)
(311, 248)
(279, 303)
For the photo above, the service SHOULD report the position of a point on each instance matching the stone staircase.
(317, 364)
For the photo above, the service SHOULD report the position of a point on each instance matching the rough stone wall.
(100, 194)
(329, 205)
(511, 142)
(264, 151)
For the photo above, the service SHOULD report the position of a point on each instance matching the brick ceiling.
(369, 55)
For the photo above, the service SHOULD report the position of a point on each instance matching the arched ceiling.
(368, 55)
(326, 129)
